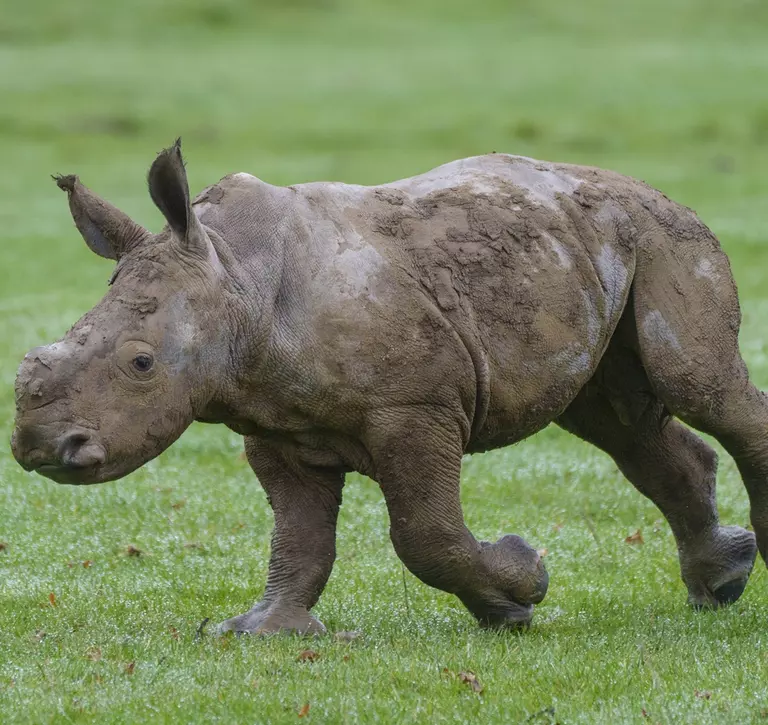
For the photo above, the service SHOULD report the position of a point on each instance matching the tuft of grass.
(103, 590)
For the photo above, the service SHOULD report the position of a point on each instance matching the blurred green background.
(672, 91)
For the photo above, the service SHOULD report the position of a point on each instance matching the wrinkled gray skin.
(391, 329)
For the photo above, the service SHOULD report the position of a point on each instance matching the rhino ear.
(106, 230)
(169, 190)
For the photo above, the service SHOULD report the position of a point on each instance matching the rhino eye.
(143, 362)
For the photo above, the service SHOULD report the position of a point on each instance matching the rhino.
(392, 329)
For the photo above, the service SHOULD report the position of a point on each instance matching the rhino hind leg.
(619, 413)
(687, 324)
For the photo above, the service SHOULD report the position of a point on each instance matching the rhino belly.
(544, 339)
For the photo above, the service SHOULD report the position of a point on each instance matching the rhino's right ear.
(169, 189)
(106, 230)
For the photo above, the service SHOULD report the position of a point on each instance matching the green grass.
(672, 91)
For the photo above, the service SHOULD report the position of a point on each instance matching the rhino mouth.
(75, 475)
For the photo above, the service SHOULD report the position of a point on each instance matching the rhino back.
(531, 262)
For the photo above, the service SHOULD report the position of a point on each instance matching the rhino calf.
(391, 329)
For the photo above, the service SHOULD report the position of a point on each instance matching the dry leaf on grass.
(3, 546)
(470, 678)
(52, 599)
(636, 539)
(174, 632)
(39, 636)
(702, 694)
(308, 655)
(93, 654)
(304, 710)
(179, 504)
(129, 668)
(542, 552)
(132, 550)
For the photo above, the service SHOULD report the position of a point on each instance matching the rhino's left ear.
(106, 230)
(169, 190)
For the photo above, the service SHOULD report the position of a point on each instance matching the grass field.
(672, 91)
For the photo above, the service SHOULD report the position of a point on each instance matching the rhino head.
(135, 371)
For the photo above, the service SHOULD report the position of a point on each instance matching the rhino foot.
(516, 580)
(273, 618)
(716, 568)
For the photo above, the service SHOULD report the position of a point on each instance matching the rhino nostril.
(79, 450)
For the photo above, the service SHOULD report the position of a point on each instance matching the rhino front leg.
(305, 501)
(417, 462)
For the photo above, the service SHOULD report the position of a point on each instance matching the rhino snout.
(72, 456)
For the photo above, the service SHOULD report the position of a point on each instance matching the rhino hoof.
(271, 619)
(717, 569)
(729, 592)
(514, 618)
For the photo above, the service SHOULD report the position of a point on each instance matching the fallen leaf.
(174, 632)
(635, 539)
(87, 564)
(348, 636)
(542, 552)
(39, 636)
(308, 655)
(132, 550)
(225, 640)
(93, 654)
(52, 599)
(304, 710)
(644, 712)
(179, 504)
(469, 678)
(3, 546)
(129, 668)
(702, 694)
(345, 658)
(240, 525)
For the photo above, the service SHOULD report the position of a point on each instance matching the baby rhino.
(390, 330)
